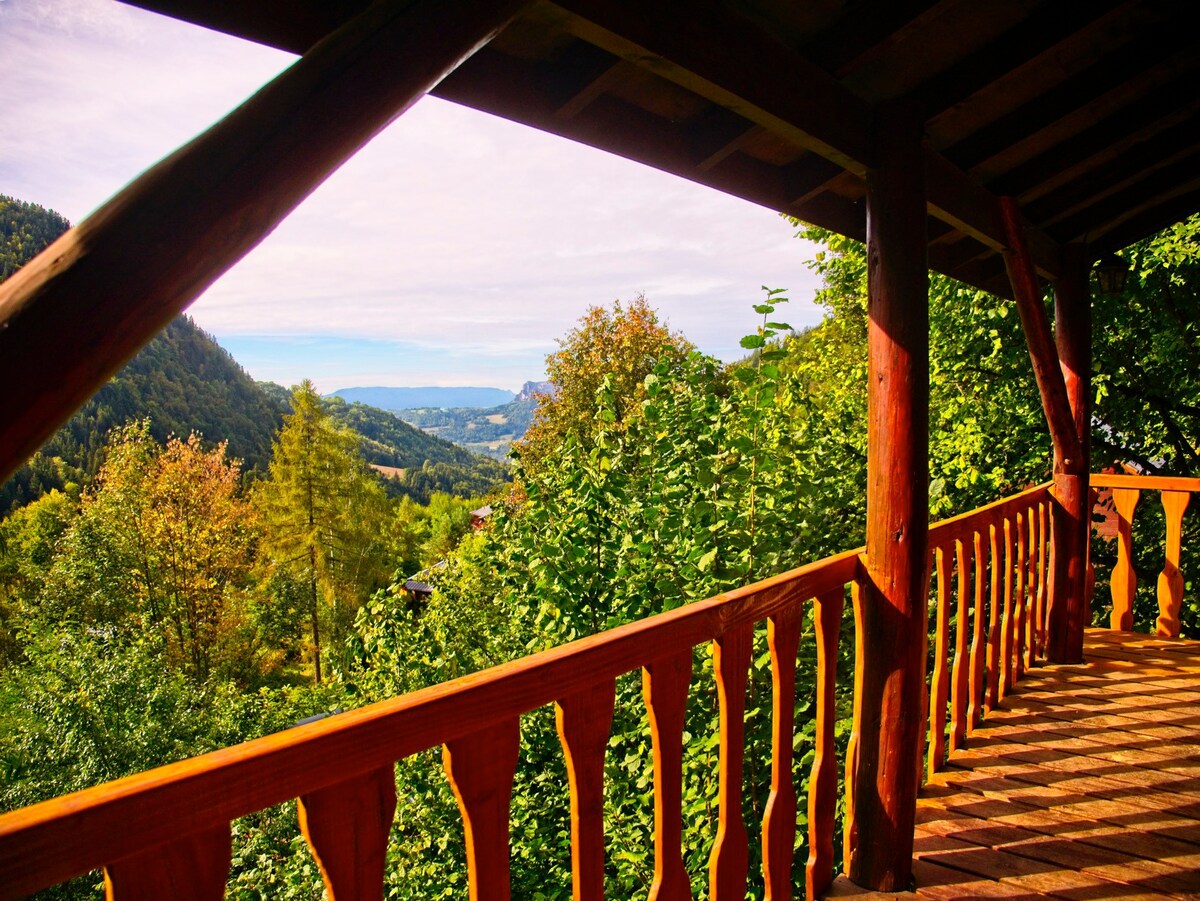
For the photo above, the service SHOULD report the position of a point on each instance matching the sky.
(454, 249)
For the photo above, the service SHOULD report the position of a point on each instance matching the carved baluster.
(584, 721)
(822, 784)
(481, 768)
(1170, 581)
(958, 679)
(1124, 581)
(347, 826)
(849, 826)
(730, 858)
(1020, 601)
(779, 820)
(194, 868)
(939, 691)
(993, 642)
(665, 688)
(978, 642)
(1043, 542)
(1007, 618)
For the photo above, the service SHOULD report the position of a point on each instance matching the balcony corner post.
(891, 678)
(1069, 612)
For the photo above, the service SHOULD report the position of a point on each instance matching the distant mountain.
(423, 398)
(491, 431)
(530, 390)
(183, 382)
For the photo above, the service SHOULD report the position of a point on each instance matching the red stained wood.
(1043, 576)
(1021, 600)
(193, 868)
(959, 688)
(892, 659)
(1042, 350)
(994, 619)
(1068, 600)
(822, 785)
(665, 687)
(1170, 580)
(858, 592)
(1146, 483)
(939, 691)
(584, 720)
(730, 858)
(480, 767)
(779, 820)
(109, 285)
(1124, 579)
(1007, 617)
(347, 826)
(977, 679)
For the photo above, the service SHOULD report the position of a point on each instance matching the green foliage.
(25, 230)
(322, 511)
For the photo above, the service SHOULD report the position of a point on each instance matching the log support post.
(894, 618)
(1062, 365)
(1069, 602)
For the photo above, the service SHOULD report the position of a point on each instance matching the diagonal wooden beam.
(1046, 367)
(109, 285)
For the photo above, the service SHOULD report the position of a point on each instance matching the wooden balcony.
(1078, 783)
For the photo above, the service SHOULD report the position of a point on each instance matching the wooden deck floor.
(1086, 786)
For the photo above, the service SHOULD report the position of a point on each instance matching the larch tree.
(322, 513)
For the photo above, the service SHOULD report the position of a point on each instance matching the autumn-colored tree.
(622, 344)
(323, 514)
(162, 539)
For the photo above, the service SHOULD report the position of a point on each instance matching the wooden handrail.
(48, 843)
(1175, 492)
(171, 817)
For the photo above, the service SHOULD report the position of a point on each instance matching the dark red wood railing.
(1175, 494)
(166, 832)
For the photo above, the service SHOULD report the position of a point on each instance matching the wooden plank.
(347, 826)
(729, 862)
(190, 868)
(779, 819)
(106, 287)
(584, 720)
(1021, 599)
(1145, 483)
(822, 784)
(665, 687)
(1008, 617)
(480, 768)
(894, 620)
(1170, 580)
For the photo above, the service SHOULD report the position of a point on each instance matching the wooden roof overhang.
(1082, 114)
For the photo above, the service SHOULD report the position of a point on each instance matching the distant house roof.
(415, 587)
(483, 512)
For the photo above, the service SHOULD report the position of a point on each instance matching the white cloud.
(453, 229)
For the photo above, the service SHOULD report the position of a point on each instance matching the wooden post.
(107, 286)
(1068, 612)
(891, 678)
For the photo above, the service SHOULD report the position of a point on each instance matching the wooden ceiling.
(1085, 112)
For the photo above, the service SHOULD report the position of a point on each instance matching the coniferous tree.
(322, 513)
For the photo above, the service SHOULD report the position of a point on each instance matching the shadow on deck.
(1084, 785)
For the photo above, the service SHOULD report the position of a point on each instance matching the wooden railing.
(166, 833)
(1175, 493)
(994, 563)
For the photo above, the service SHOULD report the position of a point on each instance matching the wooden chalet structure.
(1007, 144)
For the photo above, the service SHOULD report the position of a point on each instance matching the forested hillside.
(25, 228)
